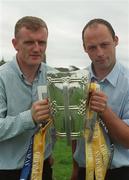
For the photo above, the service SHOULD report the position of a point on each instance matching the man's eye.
(29, 42)
(41, 43)
(104, 45)
(91, 48)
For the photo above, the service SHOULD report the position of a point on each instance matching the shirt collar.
(20, 73)
(111, 77)
(16, 67)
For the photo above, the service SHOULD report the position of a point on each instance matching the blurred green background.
(62, 160)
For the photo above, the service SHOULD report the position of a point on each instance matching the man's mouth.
(35, 55)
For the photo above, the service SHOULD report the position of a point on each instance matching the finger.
(98, 106)
(43, 102)
(39, 108)
(42, 118)
(40, 113)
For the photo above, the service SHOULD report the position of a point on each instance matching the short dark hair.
(99, 21)
(30, 22)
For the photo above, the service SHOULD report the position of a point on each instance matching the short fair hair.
(30, 22)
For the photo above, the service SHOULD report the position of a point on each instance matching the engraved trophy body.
(68, 93)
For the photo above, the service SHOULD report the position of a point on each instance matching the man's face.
(30, 46)
(100, 46)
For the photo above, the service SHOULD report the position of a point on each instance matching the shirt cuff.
(27, 120)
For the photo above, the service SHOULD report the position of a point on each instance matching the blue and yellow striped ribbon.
(96, 150)
(38, 152)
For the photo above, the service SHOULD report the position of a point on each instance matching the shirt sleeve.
(125, 114)
(10, 125)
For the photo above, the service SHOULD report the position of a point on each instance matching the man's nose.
(100, 51)
(36, 44)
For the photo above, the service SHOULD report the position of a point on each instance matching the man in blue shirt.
(20, 109)
(112, 102)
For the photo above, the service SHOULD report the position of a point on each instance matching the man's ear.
(14, 42)
(116, 40)
(84, 48)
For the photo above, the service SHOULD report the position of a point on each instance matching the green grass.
(62, 160)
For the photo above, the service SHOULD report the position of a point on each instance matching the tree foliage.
(2, 61)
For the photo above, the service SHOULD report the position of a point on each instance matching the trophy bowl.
(68, 95)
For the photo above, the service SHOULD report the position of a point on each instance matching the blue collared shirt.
(116, 87)
(16, 123)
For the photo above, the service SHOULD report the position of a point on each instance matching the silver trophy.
(68, 93)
